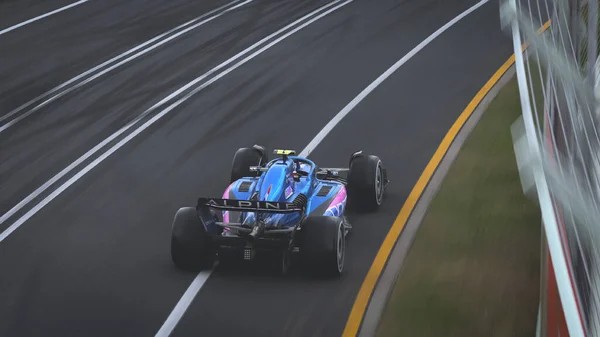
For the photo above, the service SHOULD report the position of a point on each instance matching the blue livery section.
(278, 184)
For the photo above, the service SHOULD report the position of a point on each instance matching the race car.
(287, 206)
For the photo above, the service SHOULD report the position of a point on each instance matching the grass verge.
(473, 269)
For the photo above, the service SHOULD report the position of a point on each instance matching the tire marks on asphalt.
(152, 115)
(34, 105)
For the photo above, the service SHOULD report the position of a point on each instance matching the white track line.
(108, 69)
(340, 115)
(184, 303)
(112, 137)
(19, 25)
(198, 282)
(141, 128)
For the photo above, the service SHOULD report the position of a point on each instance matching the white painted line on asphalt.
(19, 25)
(340, 115)
(167, 328)
(203, 276)
(45, 96)
(141, 128)
(112, 137)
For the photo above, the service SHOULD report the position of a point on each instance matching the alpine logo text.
(250, 204)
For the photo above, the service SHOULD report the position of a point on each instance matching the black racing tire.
(243, 159)
(191, 247)
(366, 183)
(323, 245)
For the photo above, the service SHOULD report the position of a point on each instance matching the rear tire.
(323, 245)
(243, 159)
(191, 247)
(366, 183)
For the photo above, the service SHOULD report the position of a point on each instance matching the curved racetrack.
(86, 253)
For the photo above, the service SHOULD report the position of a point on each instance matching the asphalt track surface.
(95, 260)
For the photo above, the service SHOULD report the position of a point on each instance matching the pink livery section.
(227, 195)
(336, 207)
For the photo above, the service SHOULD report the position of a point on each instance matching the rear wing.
(249, 205)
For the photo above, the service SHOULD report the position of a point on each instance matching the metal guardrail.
(557, 143)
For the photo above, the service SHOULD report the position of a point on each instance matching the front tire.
(366, 183)
(244, 158)
(323, 245)
(191, 248)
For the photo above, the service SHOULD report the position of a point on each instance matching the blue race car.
(287, 206)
